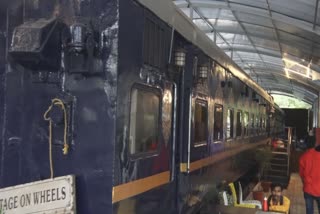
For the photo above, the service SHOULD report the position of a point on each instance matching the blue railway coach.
(129, 98)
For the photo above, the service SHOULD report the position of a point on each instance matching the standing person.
(310, 139)
(276, 201)
(309, 170)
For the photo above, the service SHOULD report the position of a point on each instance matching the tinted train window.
(252, 123)
(257, 125)
(218, 122)
(200, 122)
(144, 120)
(239, 124)
(230, 123)
(246, 123)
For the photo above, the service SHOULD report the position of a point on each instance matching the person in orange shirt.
(276, 201)
(309, 170)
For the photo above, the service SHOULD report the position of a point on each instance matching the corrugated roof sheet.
(260, 34)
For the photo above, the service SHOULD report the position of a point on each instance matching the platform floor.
(295, 193)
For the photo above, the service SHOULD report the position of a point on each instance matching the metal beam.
(236, 6)
(313, 66)
(265, 26)
(251, 50)
(307, 85)
(295, 86)
(249, 38)
(276, 32)
(301, 96)
(275, 29)
(315, 15)
(284, 93)
(257, 61)
(212, 27)
(228, 29)
(249, 9)
(314, 27)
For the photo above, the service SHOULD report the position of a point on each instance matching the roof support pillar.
(316, 121)
(315, 15)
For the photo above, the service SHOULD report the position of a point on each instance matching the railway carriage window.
(246, 123)
(200, 122)
(218, 122)
(230, 123)
(239, 124)
(252, 123)
(144, 120)
(257, 125)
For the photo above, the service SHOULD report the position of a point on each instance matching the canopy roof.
(276, 42)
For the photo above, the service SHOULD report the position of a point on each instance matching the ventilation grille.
(154, 44)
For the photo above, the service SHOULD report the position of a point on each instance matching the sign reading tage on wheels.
(48, 196)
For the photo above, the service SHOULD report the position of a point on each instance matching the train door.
(194, 149)
(199, 131)
(193, 120)
(147, 169)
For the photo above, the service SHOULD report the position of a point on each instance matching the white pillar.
(315, 109)
(317, 112)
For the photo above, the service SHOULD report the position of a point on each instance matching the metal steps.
(279, 167)
(283, 167)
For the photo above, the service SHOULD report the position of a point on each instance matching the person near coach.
(309, 170)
